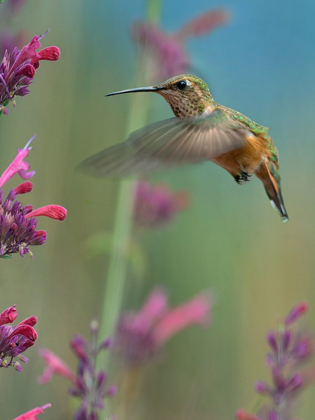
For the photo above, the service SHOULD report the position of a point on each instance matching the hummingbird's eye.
(181, 85)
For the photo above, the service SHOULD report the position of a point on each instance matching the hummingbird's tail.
(273, 191)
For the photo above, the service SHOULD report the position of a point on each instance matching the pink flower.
(141, 335)
(29, 53)
(8, 316)
(156, 205)
(18, 165)
(24, 188)
(18, 223)
(193, 312)
(296, 313)
(18, 68)
(14, 340)
(32, 415)
(54, 366)
(168, 49)
(26, 330)
(52, 211)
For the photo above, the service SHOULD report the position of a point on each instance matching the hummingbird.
(201, 130)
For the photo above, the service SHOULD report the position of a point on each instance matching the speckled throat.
(196, 103)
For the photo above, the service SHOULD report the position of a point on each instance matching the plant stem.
(118, 264)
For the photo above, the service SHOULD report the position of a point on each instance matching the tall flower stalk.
(88, 385)
(118, 264)
(290, 347)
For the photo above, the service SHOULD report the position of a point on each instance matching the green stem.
(153, 10)
(118, 264)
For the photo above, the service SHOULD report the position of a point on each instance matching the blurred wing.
(168, 143)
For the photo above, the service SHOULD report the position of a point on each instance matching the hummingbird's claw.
(242, 177)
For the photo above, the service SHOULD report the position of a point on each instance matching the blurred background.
(229, 241)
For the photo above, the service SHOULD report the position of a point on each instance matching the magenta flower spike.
(17, 223)
(156, 205)
(88, 384)
(168, 49)
(32, 414)
(18, 69)
(140, 336)
(14, 340)
(289, 349)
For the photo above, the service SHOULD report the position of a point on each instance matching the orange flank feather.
(254, 158)
(247, 158)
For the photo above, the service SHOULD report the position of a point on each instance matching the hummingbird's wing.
(168, 143)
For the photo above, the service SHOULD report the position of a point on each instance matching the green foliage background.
(230, 241)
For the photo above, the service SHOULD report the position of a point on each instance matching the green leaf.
(6, 257)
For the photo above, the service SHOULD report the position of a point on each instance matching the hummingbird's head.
(187, 95)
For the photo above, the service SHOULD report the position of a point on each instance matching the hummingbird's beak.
(142, 89)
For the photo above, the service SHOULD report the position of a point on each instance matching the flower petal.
(53, 211)
(18, 166)
(195, 311)
(31, 415)
(54, 366)
(8, 315)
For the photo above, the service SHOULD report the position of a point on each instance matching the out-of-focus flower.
(9, 41)
(141, 335)
(17, 223)
(289, 349)
(15, 5)
(168, 48)
(32, 415)
(155, 205)
(14, 340)
(54, 366)
(18, 68)
(89, 385)
(243, 415)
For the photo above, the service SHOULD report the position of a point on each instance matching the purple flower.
(9, 41)
(289, 349)
(18, 68)
(14, 340)
(156, 205)
(17, 222)
(141, 335)
(89, 385)
(15, 5)
(168, 49)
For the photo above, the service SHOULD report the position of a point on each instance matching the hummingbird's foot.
(242, 177)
